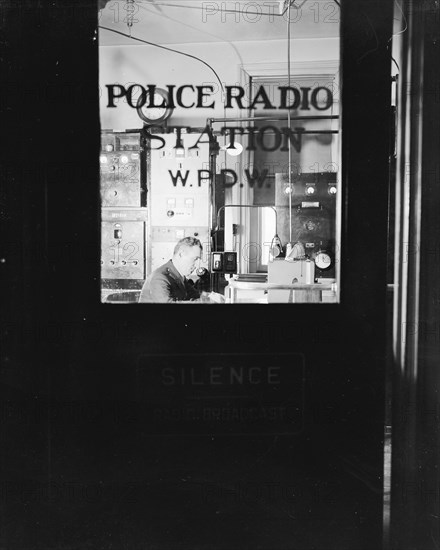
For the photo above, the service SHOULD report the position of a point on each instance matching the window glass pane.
(220, 152)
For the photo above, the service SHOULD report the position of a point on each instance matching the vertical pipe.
(415, 506)
(288, 124)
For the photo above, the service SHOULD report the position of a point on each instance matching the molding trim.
(279, 69)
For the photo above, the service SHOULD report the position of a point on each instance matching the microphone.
(275, 247)
(298, 252)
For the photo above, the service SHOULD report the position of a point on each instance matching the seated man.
(169, 283)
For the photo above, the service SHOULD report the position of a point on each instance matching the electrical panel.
(123, 250)
(140, 230)
(122, 164)
(123, 210)
(224, 262)
(313, 200)
(179, 198)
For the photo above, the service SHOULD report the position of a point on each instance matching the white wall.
(150, 65)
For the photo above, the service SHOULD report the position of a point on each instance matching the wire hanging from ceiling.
(288, 124)
(165, 48)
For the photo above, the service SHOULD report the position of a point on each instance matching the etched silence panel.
(221, 393)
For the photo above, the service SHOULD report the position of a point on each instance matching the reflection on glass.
(220, 130)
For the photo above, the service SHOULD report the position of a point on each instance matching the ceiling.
(196, 21)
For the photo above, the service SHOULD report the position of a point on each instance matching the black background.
(81, 469)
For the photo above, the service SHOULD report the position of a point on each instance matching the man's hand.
(212, 298)
(193, 277)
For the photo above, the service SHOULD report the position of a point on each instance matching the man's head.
(187, 253)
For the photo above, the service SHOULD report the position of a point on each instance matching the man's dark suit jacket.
(166, 284)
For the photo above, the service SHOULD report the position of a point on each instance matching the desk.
(301, 293)
(120, 296)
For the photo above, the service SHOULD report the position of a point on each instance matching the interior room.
(264, 201)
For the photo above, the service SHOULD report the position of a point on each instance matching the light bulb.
(236, 150)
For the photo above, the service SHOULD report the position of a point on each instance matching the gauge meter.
(311, 225)
(323, 260)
